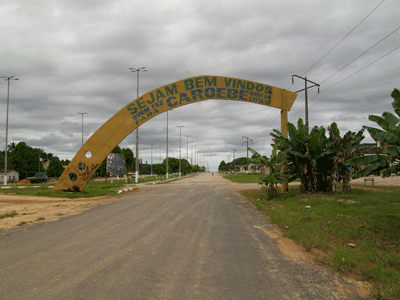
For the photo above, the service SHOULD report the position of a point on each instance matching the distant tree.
(25, 160)
(159, 169)
(11, 147)
(129, 158)
(222, 166)
(173, 164)
(65, 162)
(55, 168)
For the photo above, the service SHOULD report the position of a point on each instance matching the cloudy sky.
(74, 56)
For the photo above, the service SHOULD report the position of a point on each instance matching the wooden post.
(284, 130)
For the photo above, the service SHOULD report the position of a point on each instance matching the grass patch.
(92, 189)
(360, 232)
(21, 223)
(9, 215)
(243, 177)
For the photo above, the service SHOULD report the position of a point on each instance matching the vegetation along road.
(194, 238)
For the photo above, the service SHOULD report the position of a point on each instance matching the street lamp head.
(138, 70)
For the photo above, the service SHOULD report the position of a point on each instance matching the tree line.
(27, 161)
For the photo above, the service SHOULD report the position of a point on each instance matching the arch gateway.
(191, 90)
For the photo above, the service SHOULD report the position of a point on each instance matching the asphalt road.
(189, 239)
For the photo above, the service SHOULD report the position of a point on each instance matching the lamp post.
(151, 161)
(8, 78)
(180, 140)
(82, 113)
(143, 69)
(39, 150)
(167, 149)
(187, 147)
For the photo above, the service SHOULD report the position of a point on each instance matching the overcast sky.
(74, 56)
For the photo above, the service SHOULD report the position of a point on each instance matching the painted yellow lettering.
(197, 94)
(132, 107)
(210, 81)
(219, 93)
(170, 103)
(160, 94)
(140, 103)
(171, 91)
(232, 94)
(189, 84)
(199, 82)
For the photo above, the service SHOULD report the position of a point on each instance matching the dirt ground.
(29, 209)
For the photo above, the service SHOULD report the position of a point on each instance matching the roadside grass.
(243, 177)
(93, 189)
(358, 232)
(9, 215)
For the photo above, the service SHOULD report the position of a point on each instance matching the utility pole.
(187, 147)
(305, 89)
(247, 147)
(82, 113)
(233, 150)
(138, 70)
(180, 144)
(8, 78)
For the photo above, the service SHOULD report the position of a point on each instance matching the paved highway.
(190, 239)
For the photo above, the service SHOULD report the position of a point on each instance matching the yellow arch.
(157, 101)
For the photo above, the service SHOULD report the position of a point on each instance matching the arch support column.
(284, 130)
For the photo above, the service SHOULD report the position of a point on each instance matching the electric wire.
(361, 54)
(363, 68)
(337, 44)
(359, 70)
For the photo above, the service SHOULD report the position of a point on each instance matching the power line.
(360, 70)
(352, 75)
(362, 54)
(337, 44)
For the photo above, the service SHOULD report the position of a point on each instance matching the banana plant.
(274, 164)
(388, 160)
(343, 148)
(308, 155)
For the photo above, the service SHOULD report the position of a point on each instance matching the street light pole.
(187, 147)
(8, 78)
(180, 140)
(151, 161)
(195, 154)
(166, 177)
(143, 69)
(82, 113)
(39, 150)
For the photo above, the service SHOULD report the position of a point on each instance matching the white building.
(12, 176)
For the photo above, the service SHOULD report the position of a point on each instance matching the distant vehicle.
(39, 178)
(133, 176)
